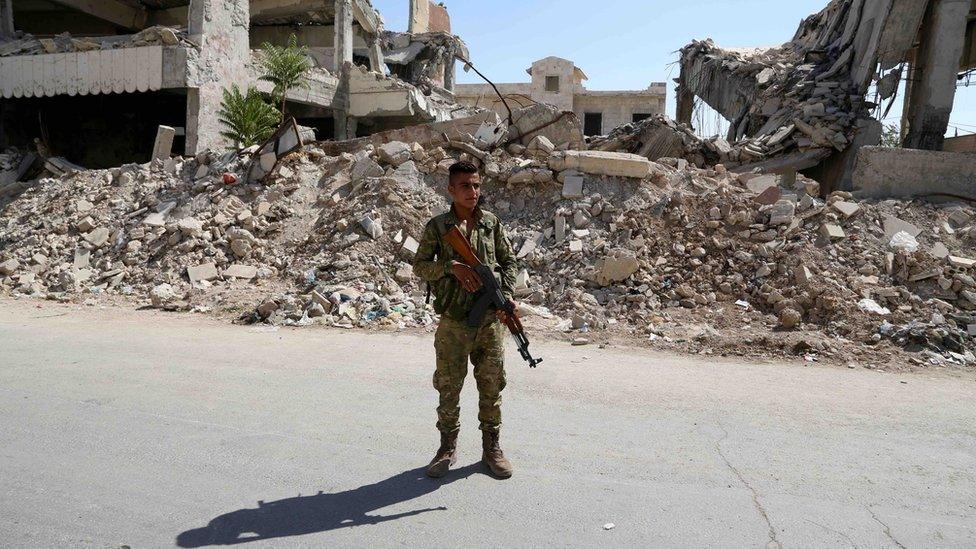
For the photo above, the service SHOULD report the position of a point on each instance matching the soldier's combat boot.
(446, 456)
(493, 456)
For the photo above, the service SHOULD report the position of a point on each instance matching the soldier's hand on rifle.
(470, 281)
(503, 315)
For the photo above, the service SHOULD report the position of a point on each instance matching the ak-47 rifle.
(490, 295)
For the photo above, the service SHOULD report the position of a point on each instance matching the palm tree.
(248, 117)
(286, 67)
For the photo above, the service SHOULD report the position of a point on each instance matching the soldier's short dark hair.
(461, 167)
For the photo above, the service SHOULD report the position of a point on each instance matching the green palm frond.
(249, 119)
(286, 68)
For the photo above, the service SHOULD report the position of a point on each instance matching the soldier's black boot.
(493, 456)
(446, 456)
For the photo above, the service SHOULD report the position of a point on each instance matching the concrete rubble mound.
(611, 244)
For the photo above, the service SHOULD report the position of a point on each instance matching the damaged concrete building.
(559, 82)
(812, 104)
(74, 73)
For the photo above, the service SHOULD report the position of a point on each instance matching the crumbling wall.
(221, 29)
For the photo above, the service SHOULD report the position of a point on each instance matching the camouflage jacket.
(433, 261)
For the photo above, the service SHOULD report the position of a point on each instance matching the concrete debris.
(65, 43)
(650, 248)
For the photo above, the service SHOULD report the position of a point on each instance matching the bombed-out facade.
(76, 73)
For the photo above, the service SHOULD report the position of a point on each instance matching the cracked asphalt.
(149, 429)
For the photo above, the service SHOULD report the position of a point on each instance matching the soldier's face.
(465, 190)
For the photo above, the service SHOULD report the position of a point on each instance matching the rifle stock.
(490, 296)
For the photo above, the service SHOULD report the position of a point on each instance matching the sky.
(623, 44)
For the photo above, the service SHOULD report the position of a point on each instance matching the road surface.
(151, 429)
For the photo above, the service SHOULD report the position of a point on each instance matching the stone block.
(559, 228)
(394, 153)
(847, 209)
(618, 266)
(769, 196)
(411, 245)
(782, 213)
(576, 246)
(163, 147)
(205, 271)
(573, 185)
(761, 183)
(9, 267)
(832, 231)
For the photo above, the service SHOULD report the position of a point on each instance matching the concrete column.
(376, 59)
(343, 32)
(221, 28)
(6, 18)
(686, 105)
(419, 16)
(341, 125)
(943, 38)
(450, 74)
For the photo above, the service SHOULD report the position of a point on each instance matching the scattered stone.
(162, 295)
(373, 227)
(9, 267)
(98, 237)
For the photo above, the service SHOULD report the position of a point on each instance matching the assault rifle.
(490, 296)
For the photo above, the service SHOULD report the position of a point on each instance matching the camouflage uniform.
(454, 341)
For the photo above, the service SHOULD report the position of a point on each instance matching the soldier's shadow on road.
(321, 512)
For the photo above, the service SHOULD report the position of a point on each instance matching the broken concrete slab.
(893, 226)
(246, 272)
(602, 163)
(847, 209)
(962, 262)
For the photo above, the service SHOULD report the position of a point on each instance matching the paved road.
(153, 430)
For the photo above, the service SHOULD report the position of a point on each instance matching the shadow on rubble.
(322, 512)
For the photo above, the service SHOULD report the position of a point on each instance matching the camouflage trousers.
(455, 344)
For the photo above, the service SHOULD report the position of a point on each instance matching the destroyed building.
(813, 103)
(559, 82)
(75, 73)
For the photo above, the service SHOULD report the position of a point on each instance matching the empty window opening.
(593, 123)
(552, 84)
(638, 116)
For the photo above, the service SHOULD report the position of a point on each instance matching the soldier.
(454, 285)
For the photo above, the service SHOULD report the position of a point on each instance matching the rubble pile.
(27, 44)
(607, 242)
(789, 100)
(659, 137)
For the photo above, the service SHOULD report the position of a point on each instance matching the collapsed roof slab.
(127, 16)
(808, 94)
